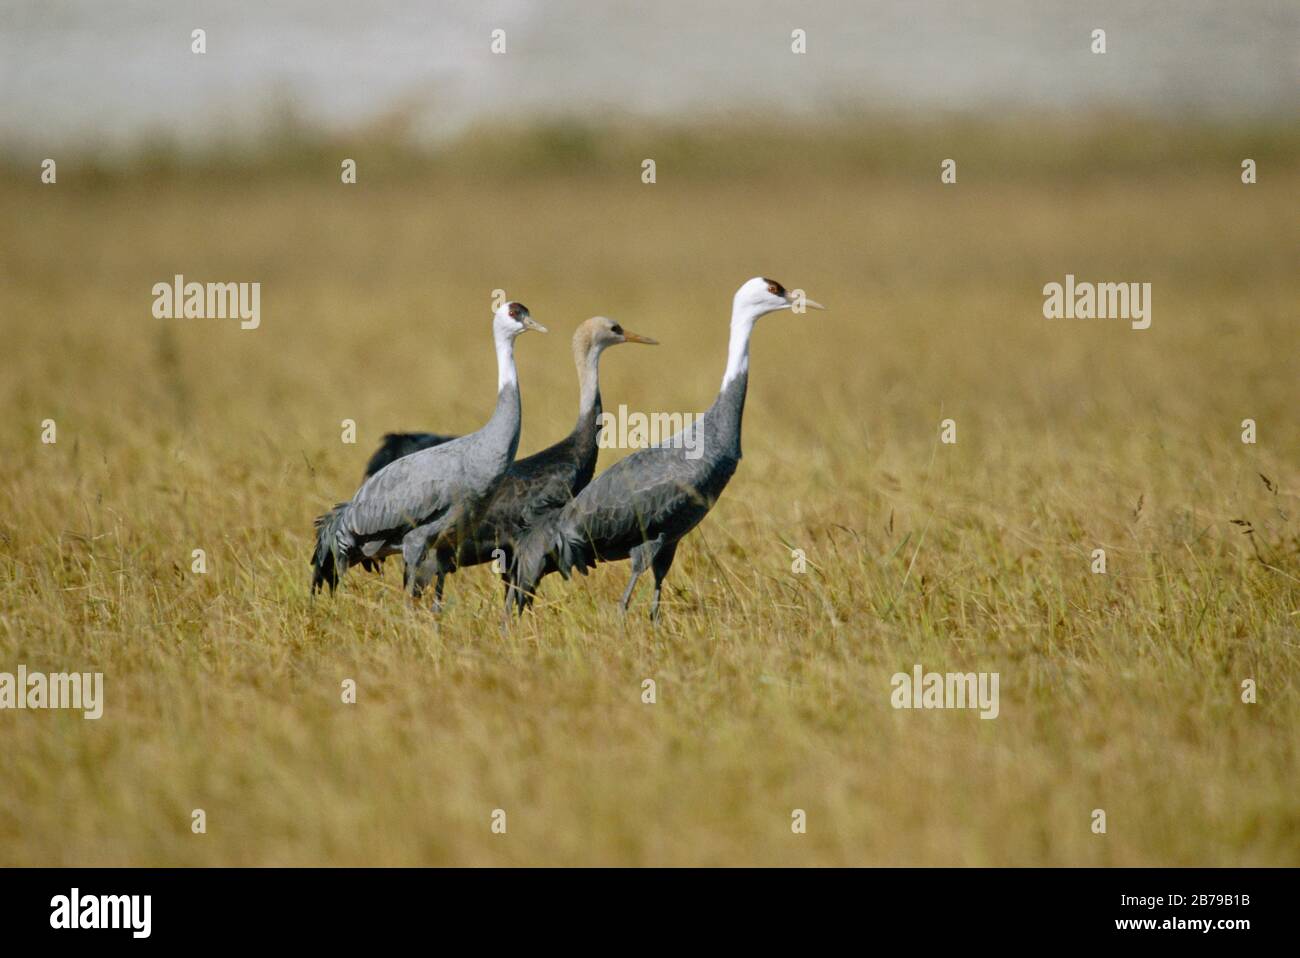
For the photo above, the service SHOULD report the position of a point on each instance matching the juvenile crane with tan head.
(428, 503)
(642, 506)
(545, 481)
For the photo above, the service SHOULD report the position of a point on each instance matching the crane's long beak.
(638, 338)
(812, 304)
(530, 323)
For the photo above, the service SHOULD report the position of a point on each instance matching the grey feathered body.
(426, 503)
(532, 488)
(395, 445)
(653, 497)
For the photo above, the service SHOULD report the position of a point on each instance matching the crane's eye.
(514, 312)
(616, 329)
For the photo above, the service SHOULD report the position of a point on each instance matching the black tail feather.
(326, 565)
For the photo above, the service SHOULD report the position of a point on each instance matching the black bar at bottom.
(334, 907)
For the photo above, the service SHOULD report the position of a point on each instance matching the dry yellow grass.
(1118, 692)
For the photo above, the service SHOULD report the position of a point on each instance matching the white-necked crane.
(427, 503)
(643, 505)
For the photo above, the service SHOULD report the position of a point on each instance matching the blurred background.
(82, 72)
(523, 172)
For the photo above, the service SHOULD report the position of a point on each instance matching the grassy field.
(1118, 691)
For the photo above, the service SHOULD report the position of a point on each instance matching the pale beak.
(812, 303)
(530, 323)
(637, 338)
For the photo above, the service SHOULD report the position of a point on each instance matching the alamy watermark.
(1071, 300)
(75, 910)
(639, 430)
(181, 300)
(57, 690)
(946, 690)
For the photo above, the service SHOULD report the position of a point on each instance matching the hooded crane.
(547, 480)
(427, 503)
(643, 505)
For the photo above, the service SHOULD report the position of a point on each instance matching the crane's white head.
(511, 319)
(756, 299)
(761, 296)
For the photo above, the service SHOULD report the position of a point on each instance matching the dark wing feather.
(533, 488)
(542, 483)
(653, 492)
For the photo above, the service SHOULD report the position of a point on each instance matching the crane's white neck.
(742, 326)
(505, 360)
(589, 379)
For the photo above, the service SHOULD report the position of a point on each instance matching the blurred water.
(115, 71)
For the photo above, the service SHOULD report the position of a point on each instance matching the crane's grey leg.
(639, 563)
(415, 547)
(641, 557)
(437, 564)
(412, 580)
(663, 561)
(506, 562)
(424, 573)
(507, 597)
(627, 593)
